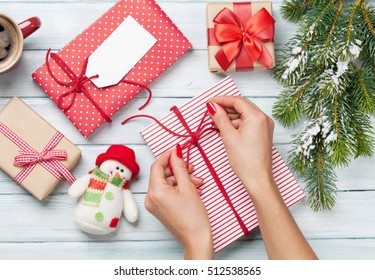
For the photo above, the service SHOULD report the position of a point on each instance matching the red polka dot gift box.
(66, 78)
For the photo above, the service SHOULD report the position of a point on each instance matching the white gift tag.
(118, 54)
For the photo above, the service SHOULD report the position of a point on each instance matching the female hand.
(247, 134)
(174, 200)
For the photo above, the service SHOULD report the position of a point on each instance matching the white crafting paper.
(118, 54)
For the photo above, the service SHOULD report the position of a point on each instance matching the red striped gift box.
(230, 208)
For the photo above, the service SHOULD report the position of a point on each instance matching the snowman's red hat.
(122, 154)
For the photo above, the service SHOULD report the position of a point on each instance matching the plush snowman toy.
(103, 195)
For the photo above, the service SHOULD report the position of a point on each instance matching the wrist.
(260, 185)
(200, 248)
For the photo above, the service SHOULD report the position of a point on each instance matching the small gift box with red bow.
(240, 36)
(229, 207)
(33, 153)
(110, 62)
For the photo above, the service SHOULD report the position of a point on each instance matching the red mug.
(16, 33)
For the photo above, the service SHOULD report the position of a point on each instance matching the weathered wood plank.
(340, 249)
(27, 220)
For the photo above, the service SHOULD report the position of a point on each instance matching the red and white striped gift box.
(225, 224)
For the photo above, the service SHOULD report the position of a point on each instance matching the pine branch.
(320, 182)
(293, 10)
(330, 34)
(319, 175)
(352, 14)
(364, 135)
(287, 109)
(294, 59)
(324, 84)
(368, 35)
(336, 118)
(363, 89)
(366, 16)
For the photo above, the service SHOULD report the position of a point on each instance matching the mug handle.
(29, 26)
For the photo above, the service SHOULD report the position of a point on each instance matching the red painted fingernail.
(211, 108)
(178, 151)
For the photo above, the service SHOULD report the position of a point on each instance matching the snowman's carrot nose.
(118, 175)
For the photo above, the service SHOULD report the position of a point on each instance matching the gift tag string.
(77, 84)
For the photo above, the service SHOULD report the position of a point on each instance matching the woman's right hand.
(247, 134)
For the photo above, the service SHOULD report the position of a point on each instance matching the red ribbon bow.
(25, 158)
(77, 85)
(232, 36)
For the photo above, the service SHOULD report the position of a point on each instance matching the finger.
(168, 172)
(171, 181)
(157, 170)
(230, 110)
(242, 106)
(179, 167)
(237, 123)
(222, 122)
(196, 181)
(232, 116)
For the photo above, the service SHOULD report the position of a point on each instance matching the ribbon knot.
(29, 157)
(77, 84)
(233, 36)
(194, 138)
(26, 158)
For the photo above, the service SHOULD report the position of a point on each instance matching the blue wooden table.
(30, 229)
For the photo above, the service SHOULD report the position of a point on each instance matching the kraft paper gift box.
(25, 137)
(229, 207)
(134, 40)
(227, 24)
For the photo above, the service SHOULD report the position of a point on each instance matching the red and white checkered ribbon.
(25, 158)
(29, 157)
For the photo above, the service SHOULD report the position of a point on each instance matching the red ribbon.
(193, 139)
(233, 36)
(29, 157)
(77, 85)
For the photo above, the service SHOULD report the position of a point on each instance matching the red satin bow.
(232, 36)
(25, 158)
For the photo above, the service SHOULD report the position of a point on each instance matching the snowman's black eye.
(122, 170)
(117, 167)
